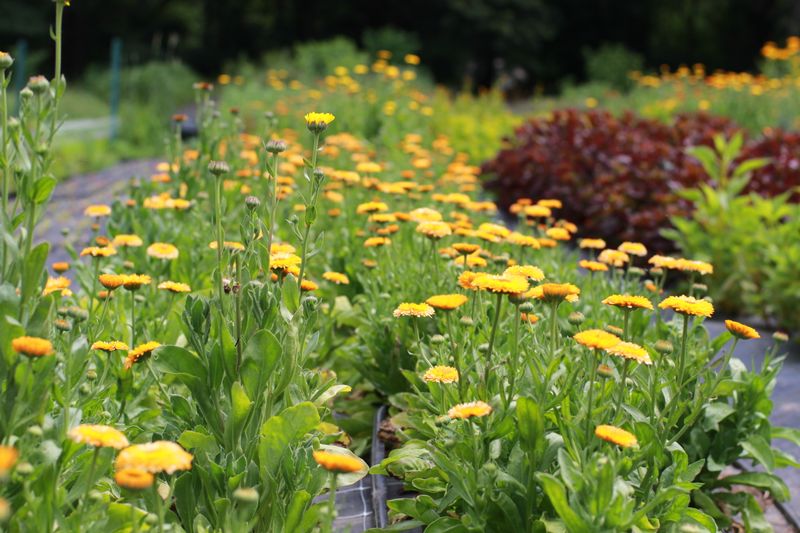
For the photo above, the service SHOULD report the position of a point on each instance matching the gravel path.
(71, 197)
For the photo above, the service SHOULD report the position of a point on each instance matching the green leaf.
(260, 356)
(761, 480)
(746, 167)
(43, 189)
(790, 434)
(294, 513)
(33, 275)
(557, 495)
(715, 413)
(186, 500)
(181, 363)
(283, 430)
(760, 450)
(240, 407)
(701, 519)
(290, 293)
(531, 427)
(194, 440)
(446, 524)
(707, 158)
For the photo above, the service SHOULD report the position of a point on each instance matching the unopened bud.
(246, 495)
(38, 84)
(576, 318)
(6, 60)
(218, 168)
(276, 146)
(252, 202)
(663, 347)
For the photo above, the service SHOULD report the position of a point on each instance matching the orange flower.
(687, 305)
(628, 301)
(469, 410)
(98, 436)
(337, 463)
(446, 301)
(633, 248)
(596, 244)
(596, 339)
(416, 310)
(440, 374)
(8, 458)
(109, 346)
(112, 281)
(122, 240)
(741, 331)
(501, 284)
(629, 350)
(99, 251)
(132, 282)
(593, 266)
(434, 229)
(32, 346)
(526, 271)
(616, 435)
(141, 351)
(154, 457)
(373, 242)
(336, 277)
(134, 478)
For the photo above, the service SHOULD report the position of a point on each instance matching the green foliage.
(751, 241)
(315, 59)
(612, 64)
(396, 41)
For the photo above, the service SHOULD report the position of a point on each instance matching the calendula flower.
(536, 211)
(530, 318)
(133, 282)
(520, 239)
(526, 271)
(337, 463)
(97, 211)
(112, 281)
(614, 258)
(616, 435)
(8, 458)
(446, 301)
(593, 266)
(232, 246)
(140, 352)
(284, 261)
(628, 301)
(162, 250)
(629, 350)
(307, 285)
(554, 292)
(134, 478)
(594, 244)
(552, 203)
(60, 267)
(32, 346)
(662, 261)
(174, 286)
(558, 234)
(440, 374)
(368, 167)
(382, 218)
(371, 207)
(336, 277)
(57, 284)
(688, 305)
(109, 346)
(741, 331)
(465, 280)
(596, 339)
(98, 436)
(318, 122)
(466, 247)
(472, 260)
(154, 457)
(434, 229)
(470, 410)
(633, 248)
(374, 242)
(688, 265)
(99, 251)
(127, 240)
(501, 284)
(411, 309)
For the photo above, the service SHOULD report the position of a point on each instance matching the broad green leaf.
(760, 450)
(761, 480)
(715, 413)
(281, 431)
(33, 275)
(181, 363)
(241, 405)
(531, 427)
(260, 356)
(296, 510)
(557, 495)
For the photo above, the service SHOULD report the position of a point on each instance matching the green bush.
(751, 241)
(398, 42)
(318, 58)
(611, 64)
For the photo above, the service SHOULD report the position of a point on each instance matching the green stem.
(220, 244)
(133, 320)
(593, 374)
(621, 392)
(514, 359)
(89, 483)
(682, 359)
(456, 354)
(553, 329)
(237, 300)
(496, 321)
(332, 502)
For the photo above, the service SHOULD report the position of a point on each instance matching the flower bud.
(483, 348)
(437, 339)
(85, 389)
(527, 307)
(24, 468)
(5, 510)
(25, 94)
(91, 374)
(252, 202)
(664, 347)
(605, 371)
(62, 325)
(276, 146)
(77, 313)
(35, 430)
(700, 287)
(246, 495)
(467, 321)
(615, 330)
(576, 318)
(780, 336)
(6, 60)
(218, 168)
(38, 84)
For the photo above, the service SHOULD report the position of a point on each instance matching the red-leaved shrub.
(618, 177)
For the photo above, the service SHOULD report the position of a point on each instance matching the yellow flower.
(336, 277)
(470, 409)
(162, 250)
(284, 260)
(559, 234)
(662, 261)
(411, 309)
(60, 267)
(688, 265)
(174, 286)
(446, 301)
(628, 301)
(596, 338)
(97, 211)
(554, 292)
(616, 435)
(318, 121)
(466, 248)
(741, 331)
(232, 246)
(123, 240)
(307, 285)
(338, 463)
(529, 318)
(472, 260)
(552, 203)
(374, 242)
(596, 244)
(494, 229)
(501, 284)
(633, 248)
(440, 374)
(434, 229)
(593, 266)
(32, 346)
(371, 207)
(98, 436)
(109, 346)
(281, 248)
(466, 278)
(629, 350)
(57, 284)
(134, 478)
(424, 214)
(368, 167)
(537, 211)
(99, 251)
(687, 305)
(520, 239)
(8, 458)
(154, 457)
(527, 271)
(112, 281)
(132, 282)
(143, 350)
(614, 258)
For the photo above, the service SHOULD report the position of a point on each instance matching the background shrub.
(612, 64)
